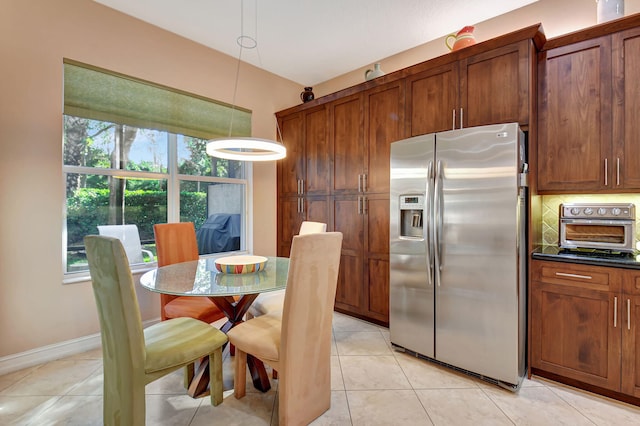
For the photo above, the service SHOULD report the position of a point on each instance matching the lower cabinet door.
(630, 314)
(576, 333)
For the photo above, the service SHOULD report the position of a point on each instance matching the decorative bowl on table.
(240, 264)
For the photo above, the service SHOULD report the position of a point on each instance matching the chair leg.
(240, 375)
(215, 376)
(189, 372)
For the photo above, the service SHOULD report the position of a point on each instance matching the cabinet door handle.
(365, 205)
(564, 274)
(628, 314)
(302, 205)
(606, 171)
(359, 183)
(615, 312)
(364, 182)
(299, 205)
(618, 171)
(359, 204)
(461, 118)
(453, 126)
(301, 186)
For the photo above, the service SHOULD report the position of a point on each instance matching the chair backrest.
(120, 321)
(308, 227)
(130, 238)
(307, 317)
(175, 242)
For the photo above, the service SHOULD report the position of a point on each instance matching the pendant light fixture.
(245, 148)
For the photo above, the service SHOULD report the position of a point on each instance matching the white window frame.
(173, 203)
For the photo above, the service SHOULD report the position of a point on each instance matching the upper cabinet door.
(626, 110)
(432, 100)
(348, 144)
(574, 142)
(291, 168)
(384, 123)
(494, 86)
(317, 152)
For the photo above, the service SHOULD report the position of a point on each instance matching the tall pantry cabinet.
(303, 175)
(364, 126)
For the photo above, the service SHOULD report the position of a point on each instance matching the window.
(121, 167)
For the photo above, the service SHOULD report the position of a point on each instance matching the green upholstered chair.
(297, 342)
(133, 356)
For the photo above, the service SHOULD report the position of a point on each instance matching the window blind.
(98, 94)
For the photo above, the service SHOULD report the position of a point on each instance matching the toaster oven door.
(618, 235)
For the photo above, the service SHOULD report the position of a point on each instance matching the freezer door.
(477, 221)
(411, 290)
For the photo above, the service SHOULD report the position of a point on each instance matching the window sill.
(83, 276)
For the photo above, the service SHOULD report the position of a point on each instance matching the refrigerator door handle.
(438, 215)
(428, 223)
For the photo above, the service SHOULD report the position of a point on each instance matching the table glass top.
(200, 278)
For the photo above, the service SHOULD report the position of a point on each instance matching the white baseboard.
(41, 355)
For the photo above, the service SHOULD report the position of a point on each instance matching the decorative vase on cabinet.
(307, 95)
(370, 74)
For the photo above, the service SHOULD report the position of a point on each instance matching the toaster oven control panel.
(600, 211)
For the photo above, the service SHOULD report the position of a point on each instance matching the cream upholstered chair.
(130, 238)
(297, 343)
(133, 357)
(273, 301)
(175, 243)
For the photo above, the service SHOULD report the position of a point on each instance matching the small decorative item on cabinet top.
(464, 38)
(609, 9)
(370, 74)
(307, 95)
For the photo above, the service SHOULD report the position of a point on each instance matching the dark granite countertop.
(588, 257)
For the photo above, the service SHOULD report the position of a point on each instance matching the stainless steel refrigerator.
(458, 250)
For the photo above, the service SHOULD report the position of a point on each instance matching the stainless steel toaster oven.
(610, 226)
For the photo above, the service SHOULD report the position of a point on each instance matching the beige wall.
(35, 35)
(36, 309)
(557, 17)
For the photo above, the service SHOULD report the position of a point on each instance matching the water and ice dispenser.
(411, 215)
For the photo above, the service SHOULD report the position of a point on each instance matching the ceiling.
(309, 41)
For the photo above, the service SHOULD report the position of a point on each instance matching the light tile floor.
(371, 385)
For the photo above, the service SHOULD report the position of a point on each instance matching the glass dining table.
(231, 293)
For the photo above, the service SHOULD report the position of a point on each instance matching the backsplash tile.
(551, 208)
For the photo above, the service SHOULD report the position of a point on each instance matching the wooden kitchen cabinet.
(304, 174)
(630, 312)
(347, 134)
(363, 282)
(292, 211)
(384, 124)
(363, 216)
(589, 113)
(432, 99)
(573, 331)
(626, 110)
(487, 88)
(574, 122)
(306, 168)
(495, 85)
(585, 325)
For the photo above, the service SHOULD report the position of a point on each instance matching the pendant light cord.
(246, 42)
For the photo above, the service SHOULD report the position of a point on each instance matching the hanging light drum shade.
(246, 149)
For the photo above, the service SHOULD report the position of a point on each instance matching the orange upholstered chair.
(175, 243)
